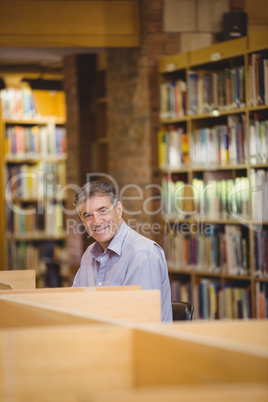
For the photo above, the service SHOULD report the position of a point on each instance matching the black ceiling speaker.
(234, 25)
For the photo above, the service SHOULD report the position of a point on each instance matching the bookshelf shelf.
(33, 156)
(204, 273)
(257, 108)
(218, 168)
(220, 194)
(218, 52)
(175, 120)
(30, 237)
(39, 121)
(34, 160)
(218, 113)
(203, 220)
(261, 279)
(210, 168)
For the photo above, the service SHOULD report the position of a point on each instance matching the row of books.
(173, 99)
(181, 291)
(259, 194)
(258, 140)
(35, 141)
(261, 294)
(18, 103)
(221, 199)
(217, 90)
(173, 147)
(258, 79)
(220, 90)
(35, 220)
(227, 302)
(35, 181)
(177, 198)
(219, 145)
(213, 301)
(213, 249)
(260, 255)
(211, 199)
(29, 255)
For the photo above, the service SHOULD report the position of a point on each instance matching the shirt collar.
(116, 243)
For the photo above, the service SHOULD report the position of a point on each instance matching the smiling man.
(120, 256)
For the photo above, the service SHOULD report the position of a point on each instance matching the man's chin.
(104, 234)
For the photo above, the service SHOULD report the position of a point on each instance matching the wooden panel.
(253, 332)
(19, 279)
(71, 23)
(16, 314)
(218, 51)
(193, 359)
(69, 289)
(134, 306)
(76, 360)
(123, 364)
(194, 393)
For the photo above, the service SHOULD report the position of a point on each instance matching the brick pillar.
(133, 118)
(79, 89)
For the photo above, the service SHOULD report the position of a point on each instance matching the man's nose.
(96, 219)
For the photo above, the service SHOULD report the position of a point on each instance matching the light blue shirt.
(130, 259)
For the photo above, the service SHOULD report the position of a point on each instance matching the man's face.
(101, 218)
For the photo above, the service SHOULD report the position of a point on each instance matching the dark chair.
(182, 311)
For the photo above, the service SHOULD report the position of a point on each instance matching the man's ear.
(119, 208)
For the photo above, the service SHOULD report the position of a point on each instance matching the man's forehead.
(96, 201)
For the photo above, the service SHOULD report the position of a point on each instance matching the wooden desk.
(51, 350)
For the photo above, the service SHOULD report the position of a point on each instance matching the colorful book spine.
(173, 148)
(213, 251)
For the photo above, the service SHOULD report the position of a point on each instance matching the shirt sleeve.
(76, 279)
(81, 276)
(149, 270)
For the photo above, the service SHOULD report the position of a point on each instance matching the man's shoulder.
(139, 242)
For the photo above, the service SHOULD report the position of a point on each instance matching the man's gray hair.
(95, 188)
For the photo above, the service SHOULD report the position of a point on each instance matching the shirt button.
(100, 283)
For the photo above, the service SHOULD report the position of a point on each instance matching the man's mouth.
(100, 230)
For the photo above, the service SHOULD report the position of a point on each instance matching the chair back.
(182, 311)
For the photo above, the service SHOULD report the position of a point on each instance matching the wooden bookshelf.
(213, 161)
(33, 156)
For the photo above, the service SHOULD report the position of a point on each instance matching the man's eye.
(88, 216)
(103, 211)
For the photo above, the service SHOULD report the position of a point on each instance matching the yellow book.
(185, 148)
